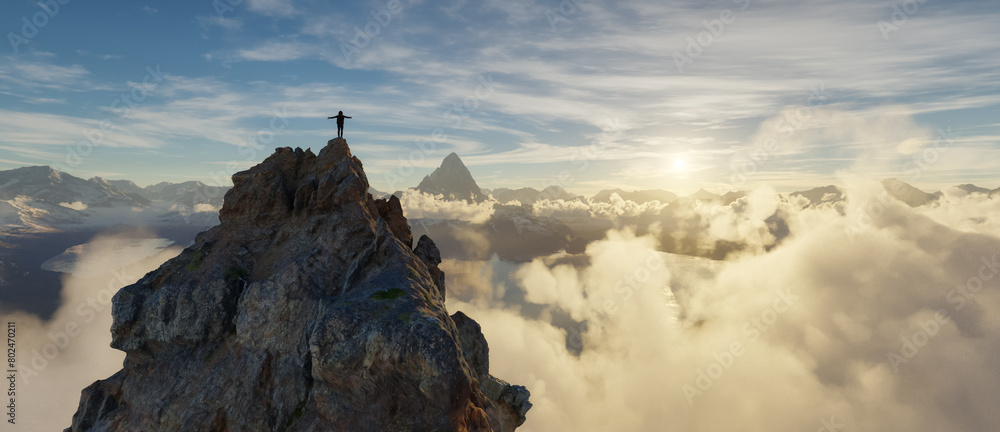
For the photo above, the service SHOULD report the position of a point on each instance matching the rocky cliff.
(306, 309)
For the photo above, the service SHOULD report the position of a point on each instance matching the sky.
(587, 95)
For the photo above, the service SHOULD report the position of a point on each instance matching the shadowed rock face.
(304, 310)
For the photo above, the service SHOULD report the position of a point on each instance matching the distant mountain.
(639, 196)
(40, 199)
(705, 195)
(187, 193)
(557, 192)
(906, 193)
(453, 180)
(44, 184)
(530, 195)
(821, 194)
(731, 196)
(377, 193)
(26, 215)
(523, 195)
(971, 188)
(125, 185)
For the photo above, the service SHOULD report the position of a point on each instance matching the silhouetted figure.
(340, 123)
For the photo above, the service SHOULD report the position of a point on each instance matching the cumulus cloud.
(59, 357)
(967, 212)
(617, 207)
(888, 325)
(204, 207)
(417, 205)
(76, 205)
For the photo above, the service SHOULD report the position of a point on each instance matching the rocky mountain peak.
(36, 174)
(452, 160)
(453, 180)
(99, 180)
(305, 309)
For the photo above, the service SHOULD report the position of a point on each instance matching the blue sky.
(585, 94)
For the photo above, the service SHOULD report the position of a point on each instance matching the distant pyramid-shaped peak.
(453, 180)
(452, 159)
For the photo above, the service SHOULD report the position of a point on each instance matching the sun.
(679, 165)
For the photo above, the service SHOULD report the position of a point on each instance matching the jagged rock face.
(453, 180)
(304, 310)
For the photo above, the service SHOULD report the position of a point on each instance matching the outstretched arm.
(328, 118)
(347, 117)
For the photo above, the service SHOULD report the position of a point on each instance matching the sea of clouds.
(869, 315)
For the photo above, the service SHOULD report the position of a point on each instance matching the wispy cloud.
(276, 8)
(207, 21)
(276, 51)
(100, 56)
(42, 75)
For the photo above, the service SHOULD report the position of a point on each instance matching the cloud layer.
(887, 327)
(57, 358)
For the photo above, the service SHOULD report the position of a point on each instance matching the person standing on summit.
(340, 123)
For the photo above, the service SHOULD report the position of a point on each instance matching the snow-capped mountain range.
(39, 199)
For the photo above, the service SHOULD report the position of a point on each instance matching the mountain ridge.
(54, 187)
